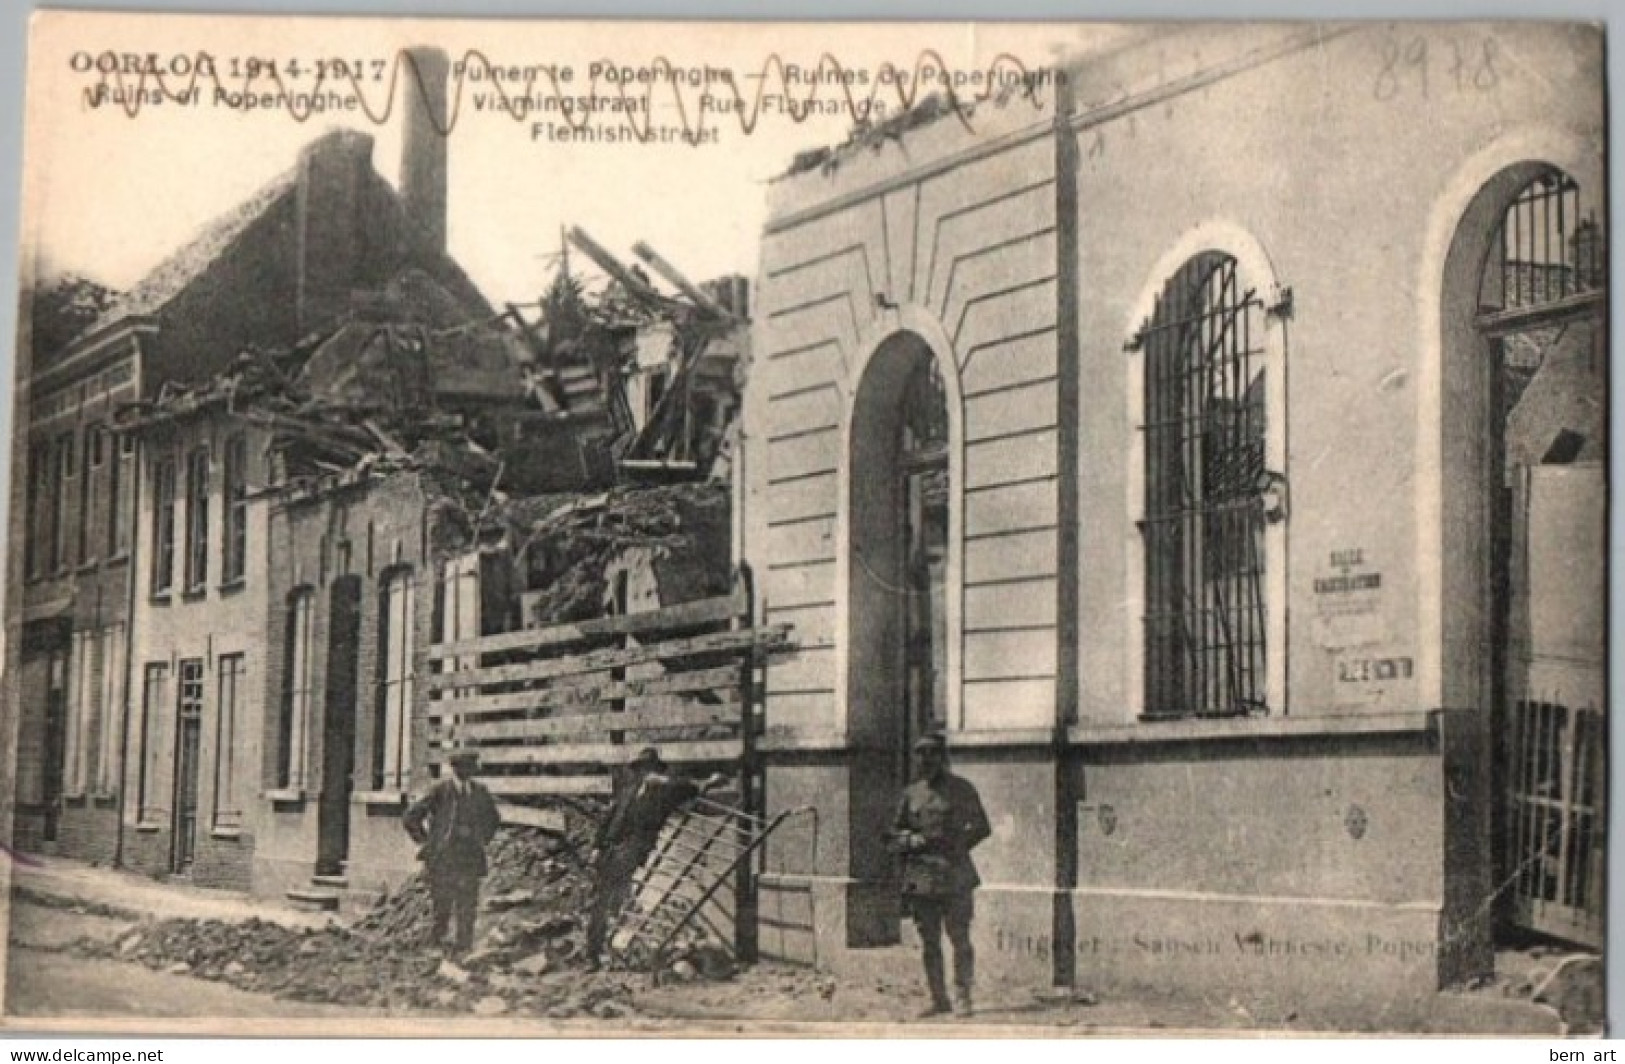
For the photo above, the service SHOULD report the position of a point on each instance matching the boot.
(962, 1003)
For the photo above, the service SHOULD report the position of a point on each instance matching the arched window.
(1204, 426)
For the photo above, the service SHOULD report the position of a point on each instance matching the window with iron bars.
(1549, 251)
(1205, 630)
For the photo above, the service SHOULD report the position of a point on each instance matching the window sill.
(195, 594)
(148, 827)
(104, 800)
(231, 587)
(73, 797)
(88, 567)
(379, 799)
(285, 795)
(230, 834)
(1183, 729)
(159, 598)
(119, 559)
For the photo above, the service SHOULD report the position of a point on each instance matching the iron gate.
(1557, 823)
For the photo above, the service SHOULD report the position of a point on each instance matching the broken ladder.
(679, 887)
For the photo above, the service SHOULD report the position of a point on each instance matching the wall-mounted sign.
(1348, 591)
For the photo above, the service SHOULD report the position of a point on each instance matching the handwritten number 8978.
(1407, 67)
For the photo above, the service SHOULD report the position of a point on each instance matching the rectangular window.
(92, 694)
(296, 696)
(59, 502)
(112, 717)
(73, 740)
(228, 812)
(656, 392)
(88, 496)
(39, 478)
(154, 699)
(1204, 431)
(197, 519)
(235, 554)
(113, 512)
(163, 525)
(392, 763)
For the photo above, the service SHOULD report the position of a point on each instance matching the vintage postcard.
(525, 526)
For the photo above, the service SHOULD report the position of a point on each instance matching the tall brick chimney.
(423, 152)
(333, 171)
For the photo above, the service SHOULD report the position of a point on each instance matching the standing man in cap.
(646, 794)
(939, 822)
(452, 825)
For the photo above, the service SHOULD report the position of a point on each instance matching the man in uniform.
(646, 794)
(452, 825)
(939, 822)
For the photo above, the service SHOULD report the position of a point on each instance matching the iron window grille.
(1549, 252)
(1204, 427)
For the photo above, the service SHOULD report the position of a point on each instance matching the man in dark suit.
(646, 794)
(939, 821)
(452, 825)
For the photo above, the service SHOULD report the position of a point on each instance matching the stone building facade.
(1180, 396)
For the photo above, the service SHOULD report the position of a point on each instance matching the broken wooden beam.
(675, 277)
(611, 265)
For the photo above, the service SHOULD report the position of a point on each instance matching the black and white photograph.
(906, 529)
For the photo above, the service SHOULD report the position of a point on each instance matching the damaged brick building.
(298, 453)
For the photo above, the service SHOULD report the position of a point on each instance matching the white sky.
(110, 195)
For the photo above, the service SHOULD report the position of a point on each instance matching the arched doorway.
(1526, 445)
(899, 505)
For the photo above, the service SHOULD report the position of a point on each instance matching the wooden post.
(745, 929)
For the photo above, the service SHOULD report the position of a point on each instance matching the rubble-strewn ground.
(193, 953)
(527, 959)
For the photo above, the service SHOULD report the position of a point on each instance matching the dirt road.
(49, 978)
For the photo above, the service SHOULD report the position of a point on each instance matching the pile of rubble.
(528, 958)
(569, 546)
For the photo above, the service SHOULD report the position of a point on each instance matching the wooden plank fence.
(550, 710)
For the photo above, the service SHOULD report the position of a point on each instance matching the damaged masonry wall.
(399, 444)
